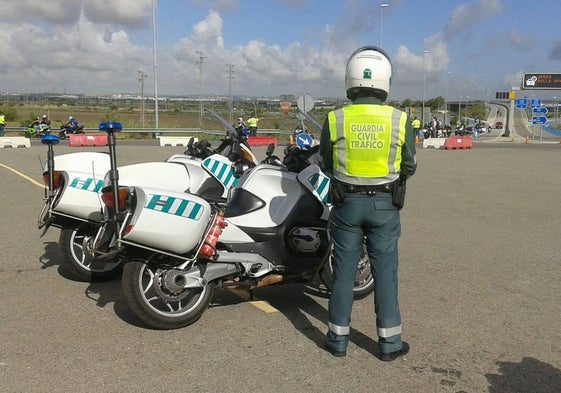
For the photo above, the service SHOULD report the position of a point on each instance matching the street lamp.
(446, 98)
(200, 63)
(141, 76)
(424, 88)
(157, 124)
(460, 105)
(382, 6)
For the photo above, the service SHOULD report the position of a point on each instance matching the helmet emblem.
(367, 73)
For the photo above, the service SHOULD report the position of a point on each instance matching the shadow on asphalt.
(296, 302)
(528, 376)
(103, 293)
(51, 256)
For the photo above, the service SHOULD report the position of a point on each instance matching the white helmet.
(368, 67)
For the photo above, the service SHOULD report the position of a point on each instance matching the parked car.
(499, 124)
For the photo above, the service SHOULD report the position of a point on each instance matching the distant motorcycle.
(37, 130)
(65, 131)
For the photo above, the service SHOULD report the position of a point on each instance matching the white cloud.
(468, 15)
(121, 12)
(209, 31)
(519, 41)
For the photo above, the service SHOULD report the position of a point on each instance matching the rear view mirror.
(270, 149)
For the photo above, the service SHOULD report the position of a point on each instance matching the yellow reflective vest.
(252, 122)
(367, 141)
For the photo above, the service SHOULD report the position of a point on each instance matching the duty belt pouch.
(398, 193)
(336, 193)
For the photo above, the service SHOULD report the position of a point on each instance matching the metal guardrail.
(262, 132)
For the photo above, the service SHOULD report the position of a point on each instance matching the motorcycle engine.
(302, 239)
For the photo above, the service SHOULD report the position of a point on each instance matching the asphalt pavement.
(480, 295)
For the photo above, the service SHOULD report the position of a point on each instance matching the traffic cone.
(291, 141)
(526, 140)
(417, 140)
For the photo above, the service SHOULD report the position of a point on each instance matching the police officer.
(2, 123)
(416, 124)
(368, 149)
(252, 124)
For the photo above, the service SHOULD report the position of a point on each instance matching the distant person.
(300, 129)
(72, 124)
(416, 124)
(242, 130)
(252, 124)
(433, 127)
(475, 131)
(2, 123)
(35, 123)
(45, 120)
(241, 123)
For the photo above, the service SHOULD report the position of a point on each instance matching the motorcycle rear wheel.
(364, 280)
(79, 265)
(155, 303)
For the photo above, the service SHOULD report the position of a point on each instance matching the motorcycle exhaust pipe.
(268, 280)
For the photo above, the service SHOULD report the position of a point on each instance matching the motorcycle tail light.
(57, 176)
(108, 200)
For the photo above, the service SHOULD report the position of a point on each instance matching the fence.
(208, 134)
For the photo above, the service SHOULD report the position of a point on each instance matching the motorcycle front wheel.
(62, 135)
(155, 295)
(79, 265)
(364, 280)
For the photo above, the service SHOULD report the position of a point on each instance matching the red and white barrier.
(87, 140)
(458, 143)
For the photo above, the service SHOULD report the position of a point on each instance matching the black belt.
(369, 190)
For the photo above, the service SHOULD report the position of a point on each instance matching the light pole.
(200, 63)
(446, 98)
(141, 76)
(460, 105)
(230, 77)
(382, 6)
(155, 67)
(424, 89)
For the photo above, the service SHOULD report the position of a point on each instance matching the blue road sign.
(539, 119)
(542, 110)
(536, 102)
(522, 103)
(304, 141)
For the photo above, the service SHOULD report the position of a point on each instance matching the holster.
(398, 193)
(336, 193)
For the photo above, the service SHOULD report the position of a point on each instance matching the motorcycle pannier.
(167, 220)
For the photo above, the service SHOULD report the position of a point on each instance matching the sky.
(458, 49)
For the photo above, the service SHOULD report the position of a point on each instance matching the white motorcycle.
(74, 204)
(177, 247)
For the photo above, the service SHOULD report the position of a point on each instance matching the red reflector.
(128, 229)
